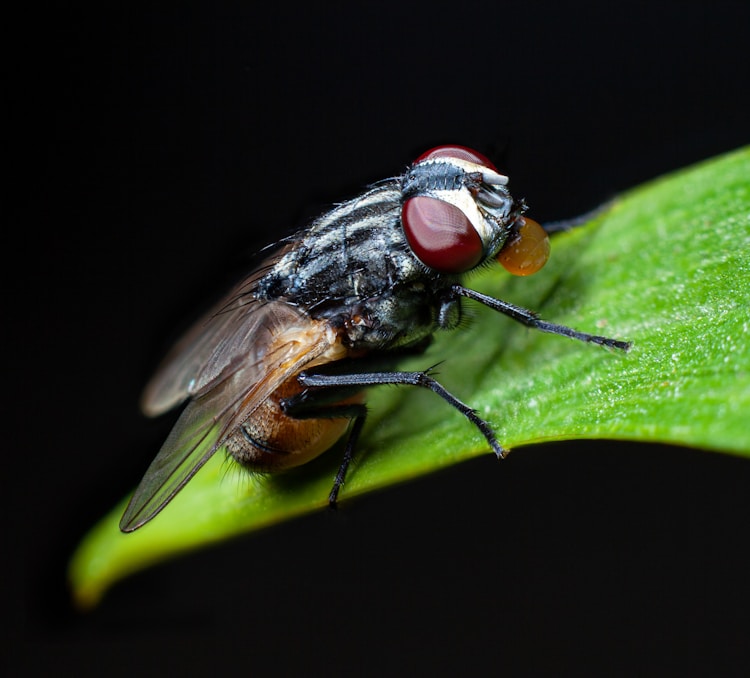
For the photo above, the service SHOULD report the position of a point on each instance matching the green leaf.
(668, 267)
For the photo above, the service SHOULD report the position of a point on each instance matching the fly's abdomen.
(271, 440)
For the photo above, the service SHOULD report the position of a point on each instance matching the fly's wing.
(284, 341)
(226, 334)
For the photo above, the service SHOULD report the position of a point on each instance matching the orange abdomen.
(270, 440)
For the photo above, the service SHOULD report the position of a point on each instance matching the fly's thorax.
(354, 251)
(354, 267)
(403, 317)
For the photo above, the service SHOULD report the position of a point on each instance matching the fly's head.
(457, 213)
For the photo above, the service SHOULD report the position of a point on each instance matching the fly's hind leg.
(316, 404)
(321, 386)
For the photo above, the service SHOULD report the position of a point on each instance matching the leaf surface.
(668, 268)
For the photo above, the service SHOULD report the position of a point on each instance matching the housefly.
(275, 373)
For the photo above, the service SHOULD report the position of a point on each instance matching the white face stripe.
(464, 200)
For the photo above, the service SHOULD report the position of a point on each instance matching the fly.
(275, 374)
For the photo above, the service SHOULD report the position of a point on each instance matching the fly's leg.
(314, 404)
(319, 384)
(322, 388)
(351, 443)
(580, 220)
(422, 379)
(531, 319)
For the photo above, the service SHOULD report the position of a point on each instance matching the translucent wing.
(281, 342)
(225, 335)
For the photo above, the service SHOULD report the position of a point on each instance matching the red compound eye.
(459, 152)
(527, 251)
(441, 235)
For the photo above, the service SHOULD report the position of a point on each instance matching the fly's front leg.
(531, 319)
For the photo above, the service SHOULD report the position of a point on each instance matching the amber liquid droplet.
(527, 251)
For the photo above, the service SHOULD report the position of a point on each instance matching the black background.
(161, 147)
